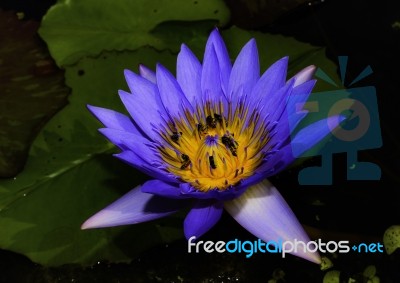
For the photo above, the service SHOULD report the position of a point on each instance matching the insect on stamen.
(175, 137)
(230, 143)
(211, 122)
(212, 162)
(201, 129)
(186, 161)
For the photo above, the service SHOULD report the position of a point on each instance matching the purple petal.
(160, 188)
(134, 207)
(188, 74)
(138, 152)
(304, 140)
(202, 217)
(313, 134)
(144, 104)
(245, 71)
(273, 79)
(301, 92)
(137, 161)
(304, 75)
(147, 74)
(224, 62)
(138, 85)
(265, 214)
(126, 140)
(145, 110)
(210, 75)
(277, 162)
(284, 108)
(296, 102)
(171, 93)
(276, 105)
(114, 120)
(275, 111)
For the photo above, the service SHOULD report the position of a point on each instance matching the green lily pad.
(32, 90)
(70, 173)
(74, 29)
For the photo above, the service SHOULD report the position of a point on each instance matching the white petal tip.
(105, 218)
(305, 75)
(96, 221)
(262, 211)
(85, 226)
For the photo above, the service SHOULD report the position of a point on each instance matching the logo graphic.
(360, 131)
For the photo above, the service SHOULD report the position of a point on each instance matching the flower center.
(211, 149)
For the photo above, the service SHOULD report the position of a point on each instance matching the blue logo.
(360, 131)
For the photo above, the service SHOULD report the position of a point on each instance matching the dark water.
(367, 32)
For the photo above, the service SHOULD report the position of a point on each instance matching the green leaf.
(77, 28)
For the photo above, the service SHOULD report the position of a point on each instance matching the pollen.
(216, 147)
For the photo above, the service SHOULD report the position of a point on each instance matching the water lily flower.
(210, 138)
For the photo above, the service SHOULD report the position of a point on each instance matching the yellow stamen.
(214, 150)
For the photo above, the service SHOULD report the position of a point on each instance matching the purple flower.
(210, 137)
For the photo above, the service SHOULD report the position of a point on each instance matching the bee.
(230, 143)
(175, 137)
(201, 129)
(186, 161)
(212, 162)
(218, 118)
(211, 121)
